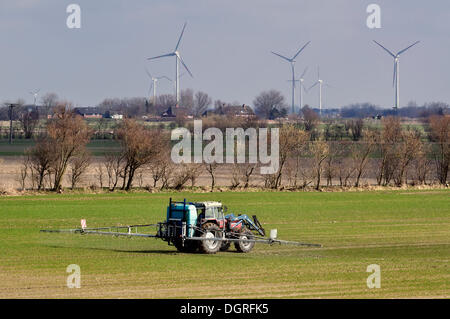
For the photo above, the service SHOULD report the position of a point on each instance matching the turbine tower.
(35, 95)
(153, 85)
(302, 86)
(320, 83)
(292, 62)
(178, 59)
(396, 80)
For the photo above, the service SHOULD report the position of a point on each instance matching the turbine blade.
(312, 86)
(393, 55)
(282, 56)
(301, 50)
(304, 72)
(161, 56)
(165, 77)
(181, 35)
(148, 73)
(404, 50)
(185, 66)
(304, 88)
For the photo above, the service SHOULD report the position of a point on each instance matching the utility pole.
(11, 106)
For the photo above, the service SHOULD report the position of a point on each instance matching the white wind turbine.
(302, 88)
(35, 95)
(153, 85)
(178, 59)
(320, 83)
(292, 62)
(396, 80)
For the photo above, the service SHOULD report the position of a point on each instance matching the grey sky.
(227, 46)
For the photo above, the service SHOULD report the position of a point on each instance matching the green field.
(407, 233)
(18, 148)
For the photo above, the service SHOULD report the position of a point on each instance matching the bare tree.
(99, 173)
(114, 163)
(201, 103)
(355, 127)
(320, 151)
(49, 102)
(330, 163)
(388, 142)
(166, 101)
(41, 158)
(422, 165)
(181, 176)
(159, 167)
(291, 141)
(241, 174)
(28, 121)
(310, 118)
(187, 99)
(139, 146)
(361, 153)
(68, 135)
(77, 168)
(211, 168)
(409, 148)
(267, 102)
(193, 172)
(440, 134)
(23, 171)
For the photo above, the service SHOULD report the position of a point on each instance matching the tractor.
(195, 226)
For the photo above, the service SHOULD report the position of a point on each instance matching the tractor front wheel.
(244, 247)
(210, 230)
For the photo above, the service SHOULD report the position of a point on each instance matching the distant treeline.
(364, 110)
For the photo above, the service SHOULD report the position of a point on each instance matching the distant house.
(89, 112)
(168, 113)
(117, 116)
(243, 110)
(173, 112)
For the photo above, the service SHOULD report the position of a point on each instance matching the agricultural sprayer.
(197, 226)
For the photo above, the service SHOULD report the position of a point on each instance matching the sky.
(227, 45)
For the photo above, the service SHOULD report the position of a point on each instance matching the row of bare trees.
(390, 154)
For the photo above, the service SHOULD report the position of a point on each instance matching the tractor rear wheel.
(210, 230)
(244, 247)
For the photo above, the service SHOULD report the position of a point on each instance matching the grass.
(19, 146)
(406, 233)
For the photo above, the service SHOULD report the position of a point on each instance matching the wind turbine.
(320, 83)
(178, 59)
(35, 95)
(396, 80)
(302, 87)
(153, 85)
(292, 62)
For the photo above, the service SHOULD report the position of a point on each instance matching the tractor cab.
(210, 211)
